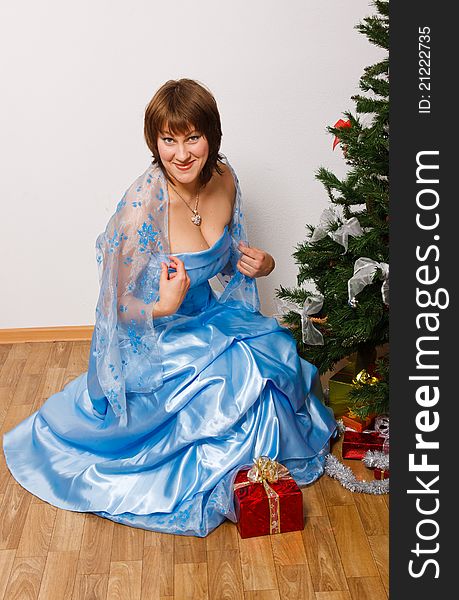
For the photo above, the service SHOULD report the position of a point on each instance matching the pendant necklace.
(196, 218)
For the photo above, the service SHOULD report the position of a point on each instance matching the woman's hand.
(255, 262)
(172, 288)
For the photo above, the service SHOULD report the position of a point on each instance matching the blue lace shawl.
(129, 254)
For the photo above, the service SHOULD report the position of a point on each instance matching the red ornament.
(340, 125)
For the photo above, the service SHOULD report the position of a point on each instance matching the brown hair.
(181, 104)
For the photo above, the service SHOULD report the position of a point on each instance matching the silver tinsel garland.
(373, 458)
(336, 469)
(376, 458)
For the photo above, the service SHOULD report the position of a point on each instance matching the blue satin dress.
(234, 388)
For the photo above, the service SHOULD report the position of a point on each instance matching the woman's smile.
(184, 167)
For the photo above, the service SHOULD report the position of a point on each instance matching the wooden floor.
(53, 554)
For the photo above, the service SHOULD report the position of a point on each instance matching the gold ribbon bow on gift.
(351, 414)
(364, 378)
(265, 471)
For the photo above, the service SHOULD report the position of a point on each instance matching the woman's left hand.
(254, 262)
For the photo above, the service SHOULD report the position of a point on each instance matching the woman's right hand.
(173, 288)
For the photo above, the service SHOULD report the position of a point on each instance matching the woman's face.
(183, 155)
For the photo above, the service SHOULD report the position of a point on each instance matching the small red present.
(356, 423)
(356, 444)
(267, 500)
(381, 473)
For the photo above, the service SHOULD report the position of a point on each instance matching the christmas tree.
(346, 255)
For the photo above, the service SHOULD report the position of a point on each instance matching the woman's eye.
(194, 138)
(167, 140)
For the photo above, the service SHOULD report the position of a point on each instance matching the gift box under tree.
(339, 387)
(356, 444)
(267, 500)
(357, 423)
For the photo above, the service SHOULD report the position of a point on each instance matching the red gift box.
(263, 510)
(381, 473)
(356, 444)
(356, 423)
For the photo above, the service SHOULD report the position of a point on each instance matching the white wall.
(76, 80)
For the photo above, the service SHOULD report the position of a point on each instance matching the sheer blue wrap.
(129, 256)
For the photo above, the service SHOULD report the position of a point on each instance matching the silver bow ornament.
(364, 272)
(348, 227)
(312, 305)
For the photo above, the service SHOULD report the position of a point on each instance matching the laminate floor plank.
(25, 578)
(323, 556)
(96, 545)
(295, 582)
(59, 576)
(90, 587)
(225, 575)
(379, 545)
(190, 581)
(6, 566)
(257, 561)
(37, 531)
(352, 542)
(125, 580)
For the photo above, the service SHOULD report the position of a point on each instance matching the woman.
(186, 383)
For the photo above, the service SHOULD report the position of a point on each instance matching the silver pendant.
(196, 218)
